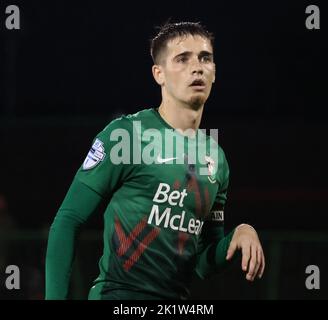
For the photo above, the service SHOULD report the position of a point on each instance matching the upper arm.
(108, 164)
(213, 228)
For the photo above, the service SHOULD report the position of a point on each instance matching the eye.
(182, 59)
(206, 59)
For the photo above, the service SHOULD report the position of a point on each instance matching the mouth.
(198, 84)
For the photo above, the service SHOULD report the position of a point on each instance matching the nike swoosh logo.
(163, 160)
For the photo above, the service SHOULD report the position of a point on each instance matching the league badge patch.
(95, 155)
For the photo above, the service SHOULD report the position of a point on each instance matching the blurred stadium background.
(72, 69)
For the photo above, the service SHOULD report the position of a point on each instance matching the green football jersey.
(163, 187)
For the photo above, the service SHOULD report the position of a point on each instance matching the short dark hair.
(171, 31)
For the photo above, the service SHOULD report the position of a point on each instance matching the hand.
(245, 238)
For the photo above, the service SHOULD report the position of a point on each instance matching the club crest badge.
(211, 169)
(95, 155)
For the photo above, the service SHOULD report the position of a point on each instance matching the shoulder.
(142, 114)
(222, 156)
(126, 122)
(218, 157)
(214, 145)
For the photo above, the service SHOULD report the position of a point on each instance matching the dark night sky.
(68, 59)
(71, 69)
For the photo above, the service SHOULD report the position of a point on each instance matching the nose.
(196, 67)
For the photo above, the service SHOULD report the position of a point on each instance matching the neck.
(181, 117)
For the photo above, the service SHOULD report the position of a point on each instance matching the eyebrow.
(205, 53)
(189, 53)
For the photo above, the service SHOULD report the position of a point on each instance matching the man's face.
(188, 70)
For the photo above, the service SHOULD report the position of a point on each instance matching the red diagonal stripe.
(182, 238)
(119, 231)
(193, 186)
(126, 241)
(141, 248)
(176, 185)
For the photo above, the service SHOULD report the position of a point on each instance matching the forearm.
(213, 258)
(79, 203)
(60, 254)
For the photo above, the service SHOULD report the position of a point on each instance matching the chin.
(197, 102)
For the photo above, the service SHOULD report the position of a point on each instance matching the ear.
(158, 74)
(214, 73)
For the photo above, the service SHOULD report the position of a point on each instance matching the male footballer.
(164, 183)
